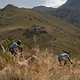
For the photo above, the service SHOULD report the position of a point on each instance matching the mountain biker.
(64, 57)
(14, 47)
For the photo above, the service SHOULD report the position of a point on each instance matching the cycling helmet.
(19, 42)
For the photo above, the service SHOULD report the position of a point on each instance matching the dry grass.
(41, 66)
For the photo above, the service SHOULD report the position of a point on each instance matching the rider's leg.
(59, 59)
(65, 62)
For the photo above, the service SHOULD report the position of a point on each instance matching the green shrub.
(6, 56)
(6, 43)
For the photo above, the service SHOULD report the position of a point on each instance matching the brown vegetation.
(40, 66)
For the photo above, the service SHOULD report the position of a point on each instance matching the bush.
(6, 56)
(6, 43)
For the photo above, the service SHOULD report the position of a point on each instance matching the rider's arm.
(20, 48)
(70, 60)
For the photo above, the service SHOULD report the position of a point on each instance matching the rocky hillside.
(70, 12)
(74, 4)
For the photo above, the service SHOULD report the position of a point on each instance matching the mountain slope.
(74, 4)
(70, 12)
(51, 32)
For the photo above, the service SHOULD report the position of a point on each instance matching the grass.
(41, 66)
